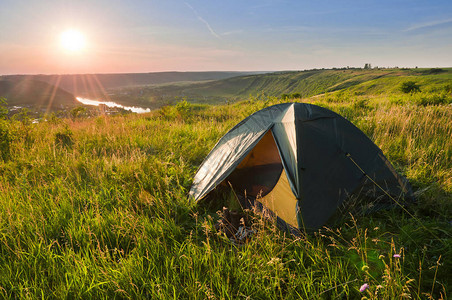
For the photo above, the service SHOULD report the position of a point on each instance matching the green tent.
(300, 162)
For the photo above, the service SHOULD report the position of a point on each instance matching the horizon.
(232, 71)
(102, 37)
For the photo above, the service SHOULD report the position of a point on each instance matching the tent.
(300, 162)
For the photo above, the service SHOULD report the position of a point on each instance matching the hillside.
(95, 85)
(304, 83)
(36, 95)
(154, 90)
(310, 83)
(97, 208)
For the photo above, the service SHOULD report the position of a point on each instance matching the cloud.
(427, 24)
(233, 32)
(203, 21)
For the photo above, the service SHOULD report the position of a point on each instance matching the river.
(138, 110)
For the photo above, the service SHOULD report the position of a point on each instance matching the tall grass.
(97, 208)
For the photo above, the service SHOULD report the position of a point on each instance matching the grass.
(98, 208)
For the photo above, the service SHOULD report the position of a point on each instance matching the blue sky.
(194, 35)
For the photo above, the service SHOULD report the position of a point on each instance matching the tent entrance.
(261, 176)
(259, 171)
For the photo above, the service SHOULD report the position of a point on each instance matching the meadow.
(98, 208)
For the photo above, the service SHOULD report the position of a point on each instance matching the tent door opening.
(261, 176)
(258, 173)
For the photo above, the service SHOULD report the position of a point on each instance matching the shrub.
(183, 110)
(183, 107)
(433, 71)
(78, 112)
(290, 96)
(409, 87)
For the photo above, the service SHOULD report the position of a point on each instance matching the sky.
(227, 35)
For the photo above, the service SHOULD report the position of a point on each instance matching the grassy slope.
(310, 83)
(96, 208)
(306, 83)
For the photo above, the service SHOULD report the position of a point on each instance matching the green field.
(98, 208)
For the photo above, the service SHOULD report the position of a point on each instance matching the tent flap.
(284, 132)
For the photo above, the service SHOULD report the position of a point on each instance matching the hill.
(95, 85)
(36, 95)
(303, 83)
(314, 82)
(154, 90)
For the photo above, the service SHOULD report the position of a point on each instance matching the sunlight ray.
(53, 94)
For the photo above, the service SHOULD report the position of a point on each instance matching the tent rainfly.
(299, 161)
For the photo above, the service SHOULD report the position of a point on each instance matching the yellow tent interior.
(261, 175)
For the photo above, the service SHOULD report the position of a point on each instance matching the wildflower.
(363, 287)
(365, 268)
(381, 256)
(397, 256)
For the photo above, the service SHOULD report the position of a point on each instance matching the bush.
(182, 110)
(78, 112)
(433, 71)
(290, 96)
(409, 87)
(183, 107)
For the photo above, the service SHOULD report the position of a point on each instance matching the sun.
(72, 40)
